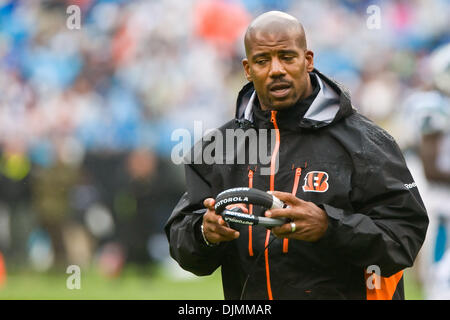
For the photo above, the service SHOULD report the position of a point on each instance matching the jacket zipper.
(298, 173)
(250, 211)
(273, 119)
(272, 188)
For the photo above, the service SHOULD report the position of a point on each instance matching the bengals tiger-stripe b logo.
(316, 181)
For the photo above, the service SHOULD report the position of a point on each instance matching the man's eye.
(261, 61)
(288, 58)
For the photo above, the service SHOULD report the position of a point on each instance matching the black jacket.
(332, 156)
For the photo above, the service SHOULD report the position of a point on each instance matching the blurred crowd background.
(86, 114)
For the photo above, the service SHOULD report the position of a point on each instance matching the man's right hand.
(215, 228)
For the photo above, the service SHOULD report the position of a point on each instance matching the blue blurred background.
(86, 114)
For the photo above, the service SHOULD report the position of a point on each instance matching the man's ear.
(247, 70)
(309, 56)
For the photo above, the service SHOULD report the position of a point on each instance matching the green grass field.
(156, 284)
(134, 283)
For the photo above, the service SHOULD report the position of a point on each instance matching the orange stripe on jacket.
(383, 287)
(272, 188)
(298, 173)
(266, 256)
(250, 211)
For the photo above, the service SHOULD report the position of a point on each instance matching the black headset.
(248, 196)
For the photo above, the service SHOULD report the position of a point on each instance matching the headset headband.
(248, 196)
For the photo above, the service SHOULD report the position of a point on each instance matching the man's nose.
(276, 69)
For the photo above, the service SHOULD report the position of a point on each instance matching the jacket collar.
(331, 103)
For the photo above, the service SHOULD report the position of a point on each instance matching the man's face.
(278, 68)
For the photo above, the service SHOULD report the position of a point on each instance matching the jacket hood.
(331, 104)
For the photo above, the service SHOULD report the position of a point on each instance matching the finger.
(286, 197)
(290, 213)
(212, 217)
(242, 206)
(302, 232)
(222, 222)
(285, 230)
(211, 220)
(227, 232)
(209, 203)
(221, 232)
(217, 238)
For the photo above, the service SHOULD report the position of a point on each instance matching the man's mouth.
(280, 90)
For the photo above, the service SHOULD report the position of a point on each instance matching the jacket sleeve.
(388, 223)
(182, 229)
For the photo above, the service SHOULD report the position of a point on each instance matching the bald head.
(278, 62)
(274, 22)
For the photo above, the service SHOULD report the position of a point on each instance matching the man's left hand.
(310, 221)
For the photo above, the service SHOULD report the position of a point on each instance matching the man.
(357, 209)
(430, 107)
